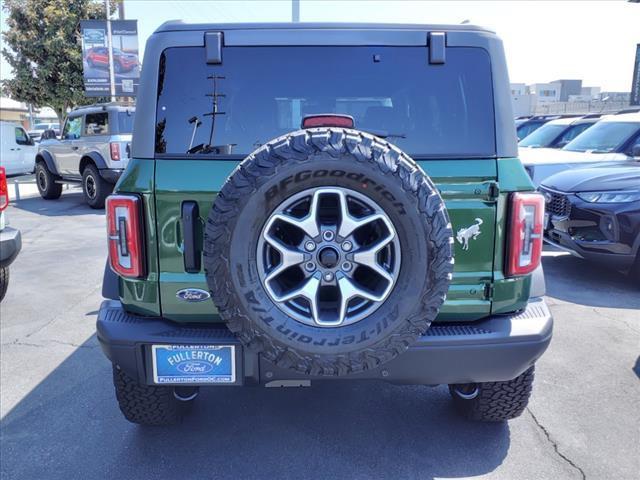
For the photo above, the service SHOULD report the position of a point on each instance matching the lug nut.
(328, 276)
(346, 266)
(310, 266)
(309, 246)
(328, 235)
(347, 246)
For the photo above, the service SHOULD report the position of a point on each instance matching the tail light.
(124, 230)
(4, 191)
(328, 120)
(114, 149)
(525, 233)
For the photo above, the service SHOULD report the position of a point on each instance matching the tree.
(45, 51)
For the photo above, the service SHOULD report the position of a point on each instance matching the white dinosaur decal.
(465, 234)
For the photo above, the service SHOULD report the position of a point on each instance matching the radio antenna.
(214, 97)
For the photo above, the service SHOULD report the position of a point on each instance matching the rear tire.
(4, 281)
(147, 404)
(95, 188)
(634, 273)
(493, 401)
(46, 181)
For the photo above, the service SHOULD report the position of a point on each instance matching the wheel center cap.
(328, 257)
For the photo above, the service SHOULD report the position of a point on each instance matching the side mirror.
(635, 151)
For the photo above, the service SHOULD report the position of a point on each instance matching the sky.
(544, 40)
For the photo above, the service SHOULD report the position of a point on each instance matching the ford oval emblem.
(194, 367)
(193, 295)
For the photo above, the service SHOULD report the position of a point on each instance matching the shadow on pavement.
(574, 280)
(71, 203)
(70, 427)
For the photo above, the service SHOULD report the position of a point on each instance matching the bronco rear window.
(259, 93)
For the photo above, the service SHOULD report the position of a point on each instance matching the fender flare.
(48, 160)
(97, 159)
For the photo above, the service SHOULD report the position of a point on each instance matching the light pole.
(112, 80)
(295, 11)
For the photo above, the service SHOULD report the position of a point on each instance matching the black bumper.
(500, 347)
(10, 245)
(111, 175)
(600, 232)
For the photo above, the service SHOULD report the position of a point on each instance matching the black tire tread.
(103, 188)
(497, 401)
(4, 281)
(146, 404)
(54, 190)
(299, 148)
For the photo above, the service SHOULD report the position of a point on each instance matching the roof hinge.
(488, 291)
(213, 47)
(494, 191)
(437, 45)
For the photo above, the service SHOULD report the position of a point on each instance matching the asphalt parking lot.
(60, 418)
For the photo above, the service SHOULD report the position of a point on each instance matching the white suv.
(614, 139)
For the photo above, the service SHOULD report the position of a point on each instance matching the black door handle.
(74, 148)
(190, 219)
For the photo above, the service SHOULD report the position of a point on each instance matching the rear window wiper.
(204, 149)
(384, 133)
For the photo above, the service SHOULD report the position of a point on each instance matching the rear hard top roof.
(179, 34)
(181, 26)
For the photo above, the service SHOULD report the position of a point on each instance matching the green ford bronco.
(323, 201)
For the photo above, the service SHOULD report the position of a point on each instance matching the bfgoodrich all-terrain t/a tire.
(147, 404)
(374, 180)
(493, 401)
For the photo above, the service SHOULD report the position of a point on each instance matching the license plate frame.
(201, 364)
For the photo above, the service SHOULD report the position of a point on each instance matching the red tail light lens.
(525, 233)
(4, 191)
(114, 149)
(329, 120)
(124, 230)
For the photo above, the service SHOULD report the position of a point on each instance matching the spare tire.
(329, 251)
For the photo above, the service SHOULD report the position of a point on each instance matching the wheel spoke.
(289, 257)
(348, 291)
(368, 257)
(349, 223)
(308, 290)
(308, 224)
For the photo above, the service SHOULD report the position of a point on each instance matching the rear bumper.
(612, 259)
(111, 175)
(500, 347)
(10, 245)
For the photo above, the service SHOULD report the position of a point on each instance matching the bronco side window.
(428, 110)
(96, 124)
(72, 128)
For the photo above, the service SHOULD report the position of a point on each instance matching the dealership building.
(564, 96)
